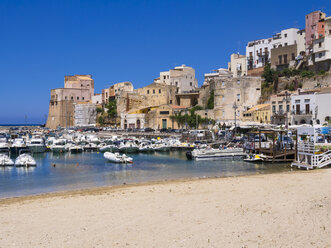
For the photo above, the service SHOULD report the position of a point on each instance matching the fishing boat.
(117, 158)
(215, 154)
(103, 147)
(253, 158)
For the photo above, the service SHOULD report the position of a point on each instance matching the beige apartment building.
(233, 96)
(77, 89)
(183, 77)
(238, 65)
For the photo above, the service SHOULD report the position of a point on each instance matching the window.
(320, 55)
(319, 44)
(223, 84)
(285, 35)
(297, 101)
(285, 59)
(307, 100)
(159, 91)
(83, 98)
(273, 109)
(190, 83)
(293, 56)
(65, 97)
(147, 91)
(176, 83)
(330, 31)
(238, 82)
(72, 98)
(164, 77)
(287, 108)
(77, 97)
(153, 91)
(170, 101)
(164, 112)
(280, 107)
(238, 97)
(168, 76)
(280, 59)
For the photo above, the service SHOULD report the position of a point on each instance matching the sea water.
(62, 172)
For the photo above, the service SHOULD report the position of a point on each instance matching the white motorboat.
(129, 147)
(104, 147)
(5, 160)
(59, 146)
(36, 145)
(17, 145)
(75, 149)
(145, 147)
(117, 158)
(26, 160)
(161, 147)
(215, 154)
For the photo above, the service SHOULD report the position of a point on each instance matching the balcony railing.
(263, 54)
(302, 112)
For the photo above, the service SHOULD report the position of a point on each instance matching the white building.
(181, 76)
(215, 74)
(258, 51)
(97, 99)
(322, 46)
(85, 114)
(311, 107)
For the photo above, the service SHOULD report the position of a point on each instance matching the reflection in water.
(65, 171)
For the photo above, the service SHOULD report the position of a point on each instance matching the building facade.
(233, 96)
(183, 77)
(258, 52)
(281, 108)
(238, 65)
(77, 88)
(85, 114)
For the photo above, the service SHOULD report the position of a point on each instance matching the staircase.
(321, 160)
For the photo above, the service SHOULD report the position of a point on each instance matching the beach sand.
(275, 210)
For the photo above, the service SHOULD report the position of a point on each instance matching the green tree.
(112, 108)
(210, 102)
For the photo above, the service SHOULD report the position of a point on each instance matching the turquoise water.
(87, 170)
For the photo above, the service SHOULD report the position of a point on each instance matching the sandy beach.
(274, 210)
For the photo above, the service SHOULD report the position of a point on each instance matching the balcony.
(306, 113)
(264, 54)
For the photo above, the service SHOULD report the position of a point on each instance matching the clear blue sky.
(42, 41)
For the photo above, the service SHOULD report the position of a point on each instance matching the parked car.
(148, 129)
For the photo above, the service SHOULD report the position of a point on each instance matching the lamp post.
(235, 107)
(287, 109)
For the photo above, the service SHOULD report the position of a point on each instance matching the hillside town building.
(77, 89)
(183, 77)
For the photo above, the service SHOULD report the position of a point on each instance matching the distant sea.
(20, 125)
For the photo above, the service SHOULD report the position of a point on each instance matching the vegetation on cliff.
(190, 118)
